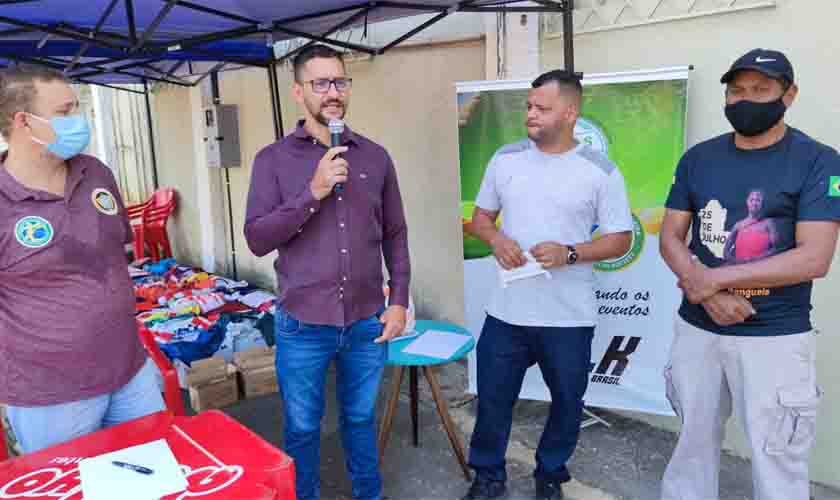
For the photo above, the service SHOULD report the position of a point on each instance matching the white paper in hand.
(102, 480)
(531, 269)
(436, 344)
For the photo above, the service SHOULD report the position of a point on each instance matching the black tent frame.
(143, 50)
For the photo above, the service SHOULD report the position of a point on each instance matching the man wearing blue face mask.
(70, 358)
(763, 205)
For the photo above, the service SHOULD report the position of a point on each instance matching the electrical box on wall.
(221, 136)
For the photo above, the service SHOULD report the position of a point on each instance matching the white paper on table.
(102, 480)
(436, 344)
(530, 270)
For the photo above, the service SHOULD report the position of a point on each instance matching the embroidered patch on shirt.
(104, 201)
(34, 232)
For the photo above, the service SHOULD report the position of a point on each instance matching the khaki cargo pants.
(771, 382)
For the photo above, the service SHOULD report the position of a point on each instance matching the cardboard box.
(212, 384)
(257, 372)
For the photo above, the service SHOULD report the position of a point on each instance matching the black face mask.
(750, 118)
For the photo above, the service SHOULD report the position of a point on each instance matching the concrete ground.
(624, 462)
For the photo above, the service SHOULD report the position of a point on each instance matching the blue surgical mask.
(72, 135)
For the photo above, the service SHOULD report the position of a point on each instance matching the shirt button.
(343, 250)
(300, 230)
(340, 198)
(311, 210)
(344, 278)
(340, 224)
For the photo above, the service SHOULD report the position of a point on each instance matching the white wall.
(806, 31)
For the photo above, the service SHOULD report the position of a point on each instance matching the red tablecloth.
(222, 460)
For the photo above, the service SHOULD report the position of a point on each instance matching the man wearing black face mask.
(743, 337)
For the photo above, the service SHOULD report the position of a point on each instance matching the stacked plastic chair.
(148, 221)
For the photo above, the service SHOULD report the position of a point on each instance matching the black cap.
(770, 62)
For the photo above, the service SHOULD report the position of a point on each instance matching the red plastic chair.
(149, 224)
(135, 217)
(171, 387)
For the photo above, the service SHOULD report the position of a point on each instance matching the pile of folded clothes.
(194, 314)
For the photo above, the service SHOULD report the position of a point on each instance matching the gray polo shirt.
(561, 198)
(67, 328)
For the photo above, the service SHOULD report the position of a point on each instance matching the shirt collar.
(348, 136)
(17, 192)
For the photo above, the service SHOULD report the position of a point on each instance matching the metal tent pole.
(214, 85)
(155, 183)
(568, 36)
(277, 110)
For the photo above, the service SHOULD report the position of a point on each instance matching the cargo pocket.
(795, 426)
(671, 391)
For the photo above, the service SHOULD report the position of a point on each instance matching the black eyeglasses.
(322, 85)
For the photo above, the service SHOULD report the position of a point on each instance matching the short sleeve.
(613, 206)
(679, 197)
(488, 195)
(123, 213)
(819, 199)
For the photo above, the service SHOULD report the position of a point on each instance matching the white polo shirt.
(552, 197)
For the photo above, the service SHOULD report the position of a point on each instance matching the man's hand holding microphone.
(333, 170)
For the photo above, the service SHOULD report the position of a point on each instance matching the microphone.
(336, 129)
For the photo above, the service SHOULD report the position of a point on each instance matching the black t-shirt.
(745, 206)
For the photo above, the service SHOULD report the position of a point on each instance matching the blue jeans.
(505, 352)
(304, 353)
(38, 427)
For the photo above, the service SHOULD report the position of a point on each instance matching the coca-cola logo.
(55, 482)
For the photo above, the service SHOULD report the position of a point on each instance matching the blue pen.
(135, 468)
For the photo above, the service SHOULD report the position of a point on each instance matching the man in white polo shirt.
(551, 191)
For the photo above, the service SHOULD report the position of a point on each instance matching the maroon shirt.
(67, 328)
(329, 265)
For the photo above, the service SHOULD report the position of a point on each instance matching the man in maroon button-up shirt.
(330, 243)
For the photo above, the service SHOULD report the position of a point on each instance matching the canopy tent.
(134, 41)
(180, 42)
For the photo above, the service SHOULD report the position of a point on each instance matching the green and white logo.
(34, 232)
(588, 133)
(636, 247)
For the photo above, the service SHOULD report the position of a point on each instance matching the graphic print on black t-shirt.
(755, 236)
(752, 236)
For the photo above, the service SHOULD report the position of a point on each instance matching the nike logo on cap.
(760, 59)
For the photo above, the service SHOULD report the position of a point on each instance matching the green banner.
(638, 120)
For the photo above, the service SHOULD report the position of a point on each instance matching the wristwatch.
(572, 256)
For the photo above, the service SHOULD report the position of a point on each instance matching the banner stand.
(592, 420)
(638, 120)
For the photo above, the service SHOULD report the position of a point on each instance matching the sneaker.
(483, 490)
(549, 490)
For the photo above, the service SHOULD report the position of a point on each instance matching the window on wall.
(602, 15)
